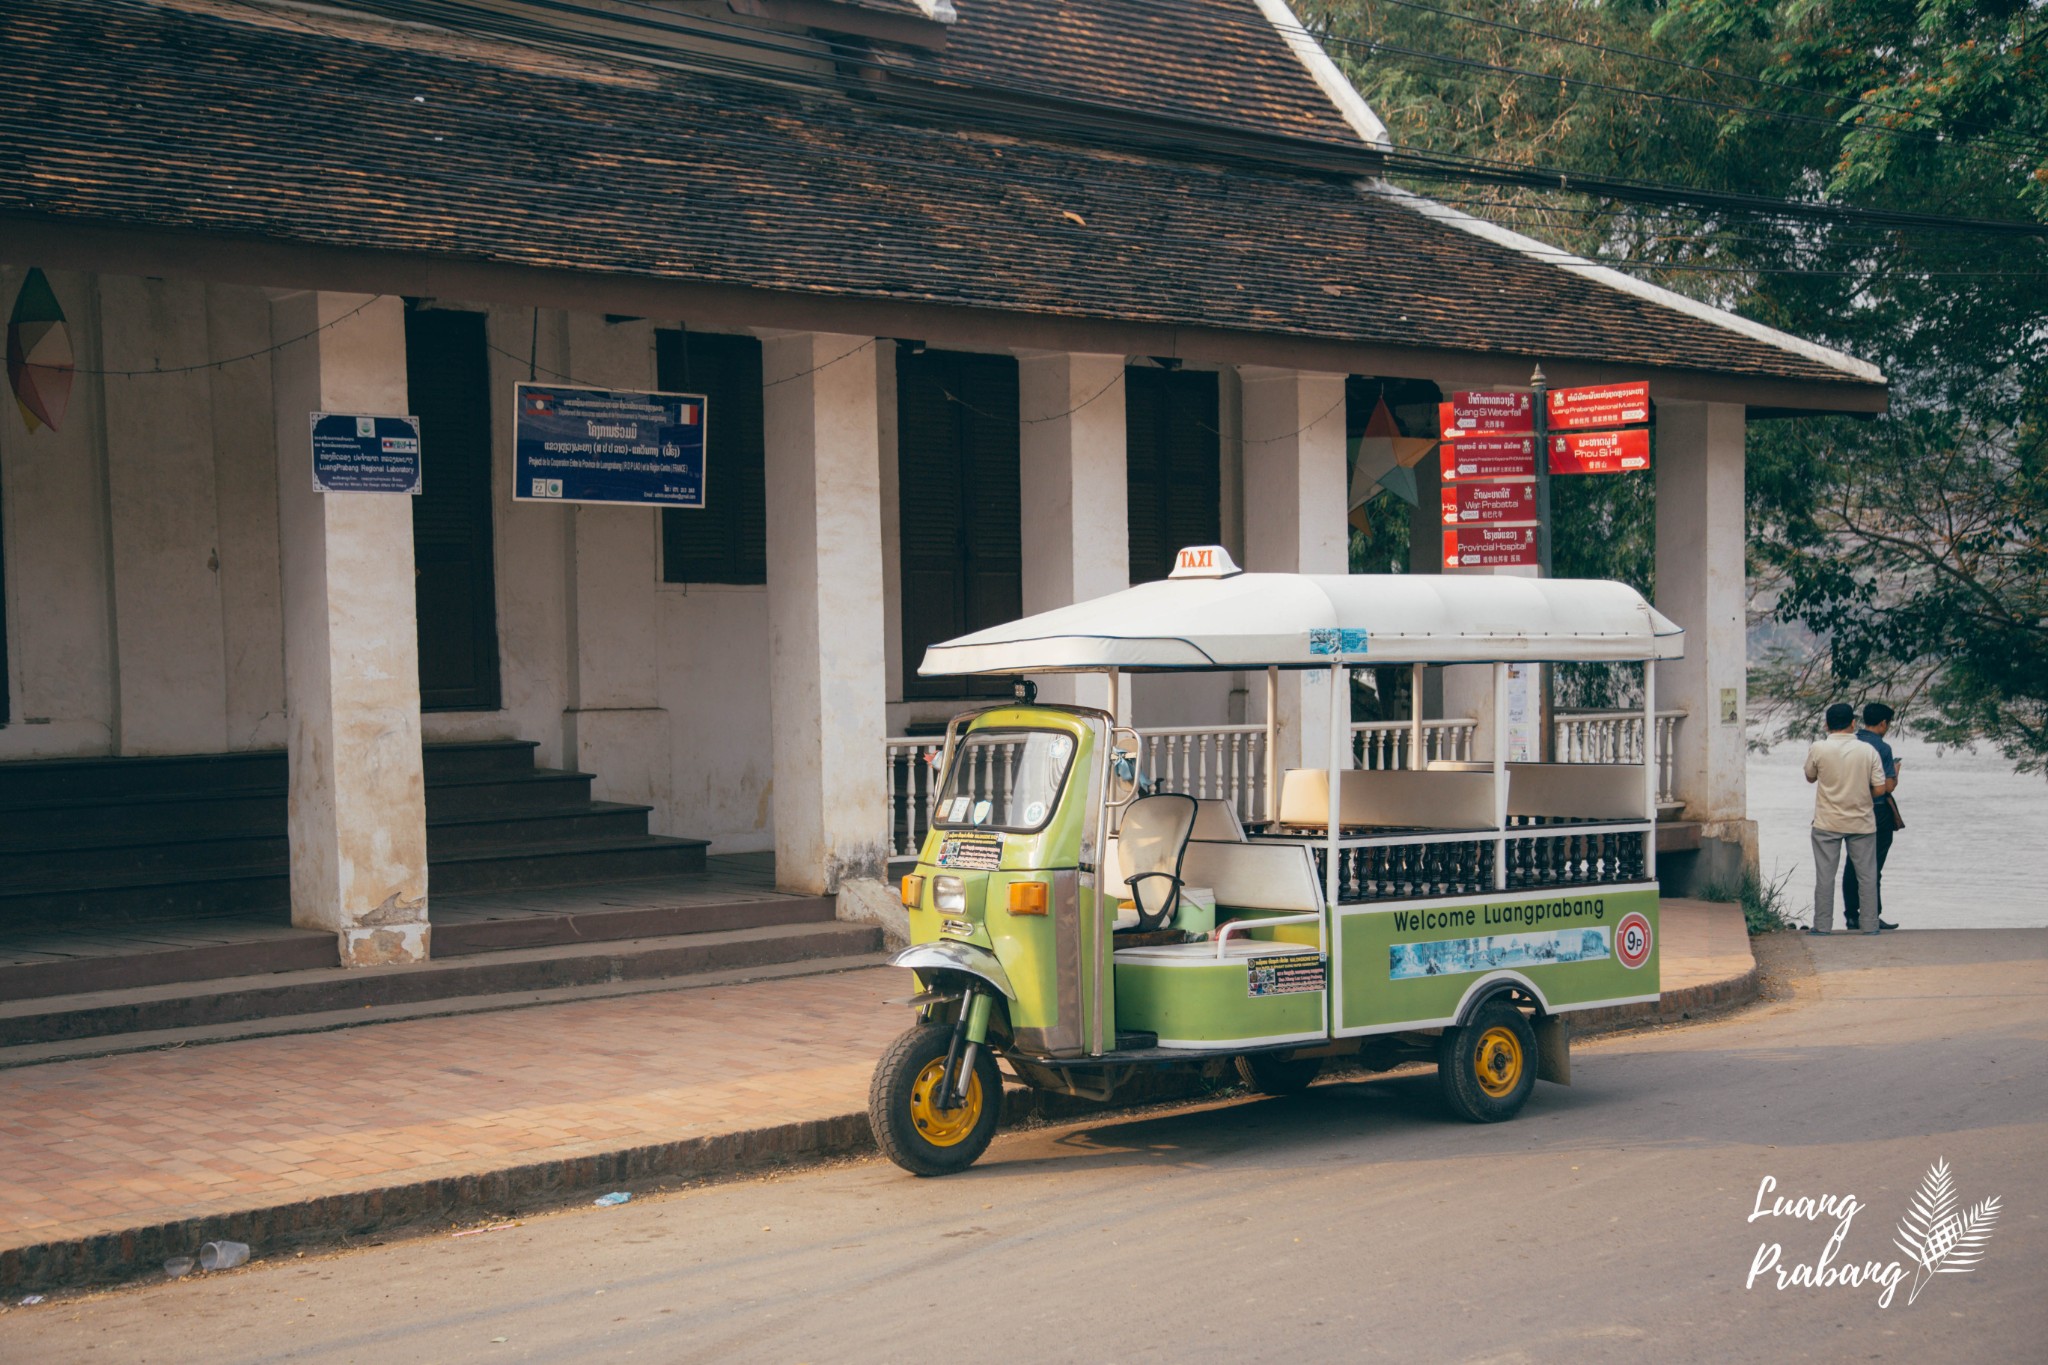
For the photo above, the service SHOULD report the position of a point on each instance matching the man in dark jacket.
(1877, 723)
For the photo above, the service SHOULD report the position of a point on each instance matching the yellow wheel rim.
(943, 1127)
(1498, 1062)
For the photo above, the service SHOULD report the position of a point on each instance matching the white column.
(358, 807)
(1700, 585)
(1075, 515)
(1294, 515)
(614, 725)
(827, 680)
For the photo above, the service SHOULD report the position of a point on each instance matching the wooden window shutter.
(725, 541)
(959, 499)
(1173, 466)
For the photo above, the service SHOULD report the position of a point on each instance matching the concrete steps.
(443, 984)
(137, 840)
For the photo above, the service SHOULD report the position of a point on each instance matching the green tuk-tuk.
(1073, 923)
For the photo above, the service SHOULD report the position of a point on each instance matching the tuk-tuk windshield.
(1005, 779)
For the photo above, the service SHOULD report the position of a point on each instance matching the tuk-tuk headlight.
(949, 894)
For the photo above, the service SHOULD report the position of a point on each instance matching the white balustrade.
(1616, 737)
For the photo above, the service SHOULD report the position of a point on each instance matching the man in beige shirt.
(1847, 774)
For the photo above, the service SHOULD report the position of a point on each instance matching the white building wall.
(59, 605)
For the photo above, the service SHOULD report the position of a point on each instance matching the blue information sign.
(354, 454)
(608, 445)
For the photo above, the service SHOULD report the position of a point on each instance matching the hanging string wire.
(206, 364)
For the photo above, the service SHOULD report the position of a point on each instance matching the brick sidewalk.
(144, 1139)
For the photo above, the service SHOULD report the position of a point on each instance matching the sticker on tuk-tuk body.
(1284, 974)
(1337, 641)
(1456, 956)
(972, 851)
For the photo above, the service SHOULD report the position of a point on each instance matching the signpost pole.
(1541, 426)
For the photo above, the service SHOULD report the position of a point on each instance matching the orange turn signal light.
(1028, 898)
(913, 891)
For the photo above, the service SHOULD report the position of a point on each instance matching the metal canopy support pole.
(1272, 811)
(1116, 706)
(1650, 768)
(1340, 760)
(1500, 776)
(1415, 680)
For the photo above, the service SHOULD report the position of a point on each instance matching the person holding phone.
(1847, 777)
(1877, 723)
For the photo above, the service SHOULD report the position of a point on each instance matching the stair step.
(104, 1045)
(208, 1003)
(282, 949)
(623, 922)
(566, 864)
(121, 851)
(33, 781)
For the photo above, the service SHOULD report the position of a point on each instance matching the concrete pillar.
(169, 647)
(1294, 518)
(827, 681)
(358, 807)
(1076, 520)
(614, 725)
(1700, 585)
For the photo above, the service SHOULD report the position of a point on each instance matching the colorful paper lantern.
(39, 360)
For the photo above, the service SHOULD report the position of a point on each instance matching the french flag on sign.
(689, 414)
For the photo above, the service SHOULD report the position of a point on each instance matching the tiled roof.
(184, 117)
(1219, 60)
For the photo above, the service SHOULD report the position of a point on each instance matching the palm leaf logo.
(1938, 1238)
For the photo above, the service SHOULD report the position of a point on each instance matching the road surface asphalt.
(1616, 1219)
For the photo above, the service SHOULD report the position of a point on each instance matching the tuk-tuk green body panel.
(1195, 1000)
(1413, 965)
(1028, 946)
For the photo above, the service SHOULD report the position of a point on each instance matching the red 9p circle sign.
(1632, 940)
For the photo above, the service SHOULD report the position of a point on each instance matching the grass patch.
(1763, 903)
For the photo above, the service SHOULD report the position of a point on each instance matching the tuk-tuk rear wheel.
(914, 1126)
(1487, 1067)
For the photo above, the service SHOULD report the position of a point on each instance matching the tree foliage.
(1903, 557)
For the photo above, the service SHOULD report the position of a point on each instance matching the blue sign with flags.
(608, 446)
(354, 454)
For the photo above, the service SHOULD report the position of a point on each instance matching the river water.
(1973, 854)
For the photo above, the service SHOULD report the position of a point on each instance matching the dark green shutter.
(1173, 455)
(959, 500)
(447, 375)
(725, 541)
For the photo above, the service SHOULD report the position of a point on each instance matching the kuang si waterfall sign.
(609, 446)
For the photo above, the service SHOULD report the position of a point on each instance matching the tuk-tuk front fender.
(946, 955)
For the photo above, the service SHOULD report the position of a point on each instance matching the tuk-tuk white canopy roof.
(1262, 620)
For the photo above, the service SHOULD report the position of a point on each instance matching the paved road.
(1611, 1220)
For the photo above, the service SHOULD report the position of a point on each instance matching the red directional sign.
(1600, 452)
(1598, 405)
(1469, 547)
(1481, 504)
(1500, 410)
(1488, 457)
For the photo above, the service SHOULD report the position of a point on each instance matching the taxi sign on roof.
(1203, 561)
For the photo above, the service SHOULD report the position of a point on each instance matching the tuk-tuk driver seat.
(1150, 845)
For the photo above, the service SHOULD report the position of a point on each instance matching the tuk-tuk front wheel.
(1487, 1067)
(916, 1126)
